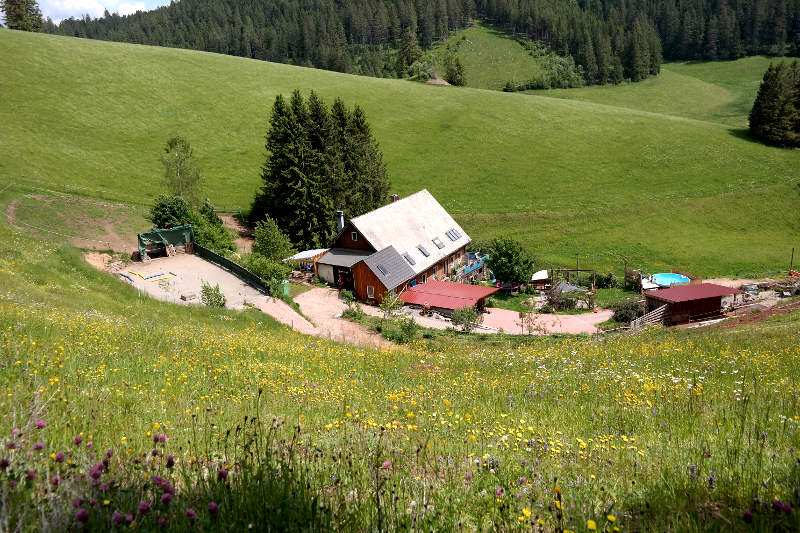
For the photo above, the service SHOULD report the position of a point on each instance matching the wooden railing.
(657, 316)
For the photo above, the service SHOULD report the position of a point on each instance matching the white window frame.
(354, 236)
(435, 271)
(370, 292)
(424, 278)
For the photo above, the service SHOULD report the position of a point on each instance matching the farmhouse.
(689, 302)
(409, 241)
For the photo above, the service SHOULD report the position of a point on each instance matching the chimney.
(339, 221)
(394, 198)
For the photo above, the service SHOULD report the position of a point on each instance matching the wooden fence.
(657, 316)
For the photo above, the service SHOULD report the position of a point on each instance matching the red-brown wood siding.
(363, 276)
(682, 311)
(345, 240)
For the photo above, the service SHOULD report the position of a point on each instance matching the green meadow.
(129, 413)
(490, 57)
(563, 176)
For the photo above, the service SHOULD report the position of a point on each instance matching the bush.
(218, 239)
(271, 242)
(212, 296)
(264, 268)
(627, 310)
(207, 210)
(170, 211)
(466, 318)
(408, 327)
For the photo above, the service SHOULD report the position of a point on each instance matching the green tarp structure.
(177, 236)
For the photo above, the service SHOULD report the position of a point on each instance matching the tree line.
(610, 40)
(319, 160)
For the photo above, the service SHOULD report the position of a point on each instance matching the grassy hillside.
(721, 91)
(490, 57)
(563, 176)
(646, 429)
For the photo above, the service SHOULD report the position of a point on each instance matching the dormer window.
(439, 244)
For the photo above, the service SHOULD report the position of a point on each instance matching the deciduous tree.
(509, 261)
(181, 175)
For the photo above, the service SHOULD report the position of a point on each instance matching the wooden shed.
(689, 302)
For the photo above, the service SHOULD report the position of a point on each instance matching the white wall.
(325, 272)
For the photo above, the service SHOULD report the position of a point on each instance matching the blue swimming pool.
(667, 280)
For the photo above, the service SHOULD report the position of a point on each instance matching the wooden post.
(791, 265)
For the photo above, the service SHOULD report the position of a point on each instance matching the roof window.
(422, 249)
(383, 269)
(409, 259)
(439, 244)
(453, 234)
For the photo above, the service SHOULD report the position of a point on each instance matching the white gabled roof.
(307, 254)
(411, 222)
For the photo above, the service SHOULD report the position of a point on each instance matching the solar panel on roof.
(439, 244)
(383, 269)
(450, 234)
(423, 250)
(456, 233)
(409, 259)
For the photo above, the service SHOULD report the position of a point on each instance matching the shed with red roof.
(690, 302)
(445, 296)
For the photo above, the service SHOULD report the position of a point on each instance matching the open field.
(562, 176)
(714, 91)
(668, 429)
(490, 57)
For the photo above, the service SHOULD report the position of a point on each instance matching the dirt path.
(323, 306)
(283, 313)
(11, 213)
(245, 241)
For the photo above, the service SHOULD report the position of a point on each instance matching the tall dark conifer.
(318, 161)
(775, 117)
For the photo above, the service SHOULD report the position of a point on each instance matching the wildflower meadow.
(122, 412)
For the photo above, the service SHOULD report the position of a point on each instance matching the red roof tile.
(445, 294)
(686, 293)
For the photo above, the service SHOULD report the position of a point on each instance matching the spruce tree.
(23, 15)
(408, 53)
(454, 74)
(775, 115)
(318, 161)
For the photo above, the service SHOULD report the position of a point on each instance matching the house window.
(370, 292)
(383, 269)
(452, 261)
(434, 272)
(424, 278)
(439, 244)
(409, 259)
(354, 236)
(423, 250)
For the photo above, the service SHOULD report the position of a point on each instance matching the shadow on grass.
(744, 134)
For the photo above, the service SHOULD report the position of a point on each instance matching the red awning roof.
(686, 293)
(446, 295)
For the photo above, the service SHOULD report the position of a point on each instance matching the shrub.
(408, 327)
(207, 210)
(264, 268)
(212, 296)
(627, 310)
(271, 242)
(170, 211)
(466, 318)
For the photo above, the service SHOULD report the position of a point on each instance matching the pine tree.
(408, 53)
(775, 116)
(23, 15)
(454, 74)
